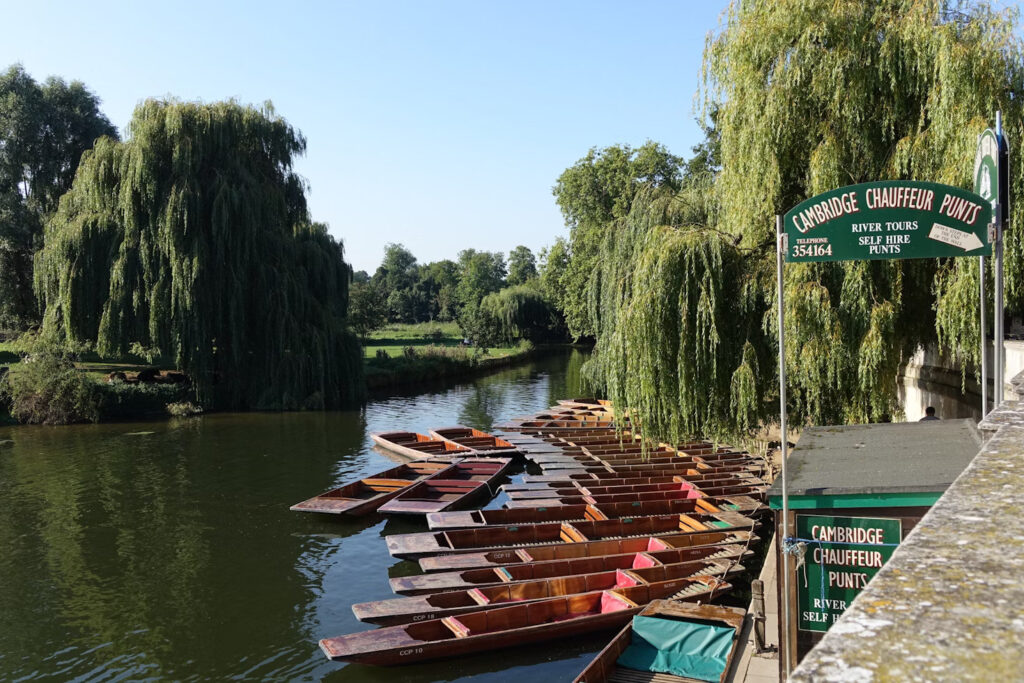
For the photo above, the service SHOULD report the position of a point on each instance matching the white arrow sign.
(967, 241)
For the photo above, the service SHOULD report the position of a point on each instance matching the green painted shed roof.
(899, 457)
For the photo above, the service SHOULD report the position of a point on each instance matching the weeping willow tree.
(807, 95)
(191, 240)
(520, 312)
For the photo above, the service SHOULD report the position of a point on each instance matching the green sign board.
(892, 219)
(834, 571)
(986, 167)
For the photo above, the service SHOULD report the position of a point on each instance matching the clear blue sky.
(440, 125)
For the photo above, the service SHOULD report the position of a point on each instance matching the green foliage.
(48, 389)
(522, 266)
(554, 262)
(192, 239)
(519, 312)
(44, 129)
(801, 97)
(480, 273)
(367, 309)
(597, 190)
(133, 400)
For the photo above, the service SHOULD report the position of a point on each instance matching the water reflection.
(167, 549)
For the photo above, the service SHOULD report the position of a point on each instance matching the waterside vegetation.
(798, 98)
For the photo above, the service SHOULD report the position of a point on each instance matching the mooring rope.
(791, 546)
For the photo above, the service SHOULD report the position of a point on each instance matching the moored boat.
(437, 605)
(564, 551)
(530, 622)
(752, 491)
(476, 440)
(468, 481)
(670, 641)
(418, 446)
(411, 546)
(577, 513)
(728, 552)
(364, 496)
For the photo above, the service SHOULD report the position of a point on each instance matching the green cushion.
(682, 648)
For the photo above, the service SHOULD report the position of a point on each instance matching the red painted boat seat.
(613, 602)
(624, 579)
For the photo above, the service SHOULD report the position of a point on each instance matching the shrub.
(129, 400)
(48, 389)
(183, 409)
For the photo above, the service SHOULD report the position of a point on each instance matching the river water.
(167, 550)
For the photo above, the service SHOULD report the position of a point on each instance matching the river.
(167, 550)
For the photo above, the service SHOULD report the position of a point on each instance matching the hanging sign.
(848, 552)
(891, 219)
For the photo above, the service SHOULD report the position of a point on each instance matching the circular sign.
(986, 167)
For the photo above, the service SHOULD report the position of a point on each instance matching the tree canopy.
(192, 240)
(799, 97)
(596, 191)
(44, 130)
(522, 266)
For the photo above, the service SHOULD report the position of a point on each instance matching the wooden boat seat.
(478, 596)
(625, 579)
(387, 483)
(643, 560)
(458, 629)
(703, 504)
(613, 602)
(571, 534)
(503, 574)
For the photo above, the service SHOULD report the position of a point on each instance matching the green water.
(167, 550)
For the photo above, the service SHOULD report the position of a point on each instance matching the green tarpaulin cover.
(683, 648)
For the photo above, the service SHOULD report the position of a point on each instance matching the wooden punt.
(366, 495)
(681, 464)
(578, 513)
(469, 480)
(438, 605)
(565, 551)
(731, 553)
(754, 492)
(530, 622)
(606, 669)
(584, 479)
(476, 440)
(630, 485)
(416, 545)
(418, 446)
(598, 474)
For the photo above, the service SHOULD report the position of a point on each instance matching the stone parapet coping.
(949, 604)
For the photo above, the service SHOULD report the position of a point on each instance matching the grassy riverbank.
(399, 355)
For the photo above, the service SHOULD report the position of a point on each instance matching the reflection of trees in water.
(495, 397)
(109, 538)
(154, 554)
(483, 405)
(569, 382)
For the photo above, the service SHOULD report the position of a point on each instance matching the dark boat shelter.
(855, 492)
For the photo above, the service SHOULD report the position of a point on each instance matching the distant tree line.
(493, 300)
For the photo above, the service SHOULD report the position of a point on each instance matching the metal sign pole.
(984, 339)
(783, 533)
(997, 394)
